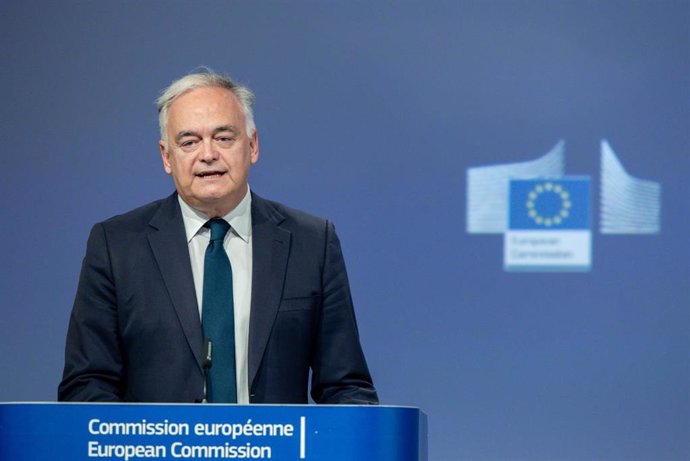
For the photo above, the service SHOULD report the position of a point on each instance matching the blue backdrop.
(370, 113)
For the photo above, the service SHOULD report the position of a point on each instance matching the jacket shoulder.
(139, 217)
(287, 216)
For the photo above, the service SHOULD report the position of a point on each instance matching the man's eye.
(225, 139)
(188, 144)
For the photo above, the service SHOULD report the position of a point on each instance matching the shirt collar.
(240, 219)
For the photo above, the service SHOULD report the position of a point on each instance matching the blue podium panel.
(88, 431)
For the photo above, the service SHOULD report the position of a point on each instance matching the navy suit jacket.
(135, 333)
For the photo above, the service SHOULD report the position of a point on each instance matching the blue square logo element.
(550, 203)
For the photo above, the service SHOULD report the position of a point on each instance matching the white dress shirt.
(238, 246)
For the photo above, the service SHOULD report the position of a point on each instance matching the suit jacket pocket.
(299, 304)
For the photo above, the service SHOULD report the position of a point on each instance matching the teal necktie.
(218, 318)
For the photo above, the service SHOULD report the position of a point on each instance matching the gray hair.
(204, 79)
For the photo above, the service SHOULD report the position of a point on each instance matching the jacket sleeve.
(339, 371)
(93, 355)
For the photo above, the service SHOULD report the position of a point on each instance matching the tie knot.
(219, 227)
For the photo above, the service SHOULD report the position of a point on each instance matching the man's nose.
(208, 152)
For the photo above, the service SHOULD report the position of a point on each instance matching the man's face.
(209, 153)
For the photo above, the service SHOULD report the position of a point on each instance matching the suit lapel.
(270, 249)
(169, 247)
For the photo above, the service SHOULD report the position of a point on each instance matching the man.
(150, 320)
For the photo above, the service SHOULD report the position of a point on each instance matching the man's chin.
(212, 195)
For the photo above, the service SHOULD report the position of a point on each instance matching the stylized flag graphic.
(549, 225)
(628, 205)
(487, 189)
(550, 204)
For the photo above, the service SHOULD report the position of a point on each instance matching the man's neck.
(219, 210)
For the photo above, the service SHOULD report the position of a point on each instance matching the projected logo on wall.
(548, 225)
(545, 215)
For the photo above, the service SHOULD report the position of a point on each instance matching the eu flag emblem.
(548, 225)
(549, 204)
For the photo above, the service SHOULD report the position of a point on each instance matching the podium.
(132, 432)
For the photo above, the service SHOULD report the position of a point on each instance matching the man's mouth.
(210, 174)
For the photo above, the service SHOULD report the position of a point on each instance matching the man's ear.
(165, 157)
(254, 146)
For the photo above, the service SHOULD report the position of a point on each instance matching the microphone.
(206, 365)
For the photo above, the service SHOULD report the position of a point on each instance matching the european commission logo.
(546, 217)
(548, 225)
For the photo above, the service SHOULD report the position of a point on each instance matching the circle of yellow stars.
(546, 188)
